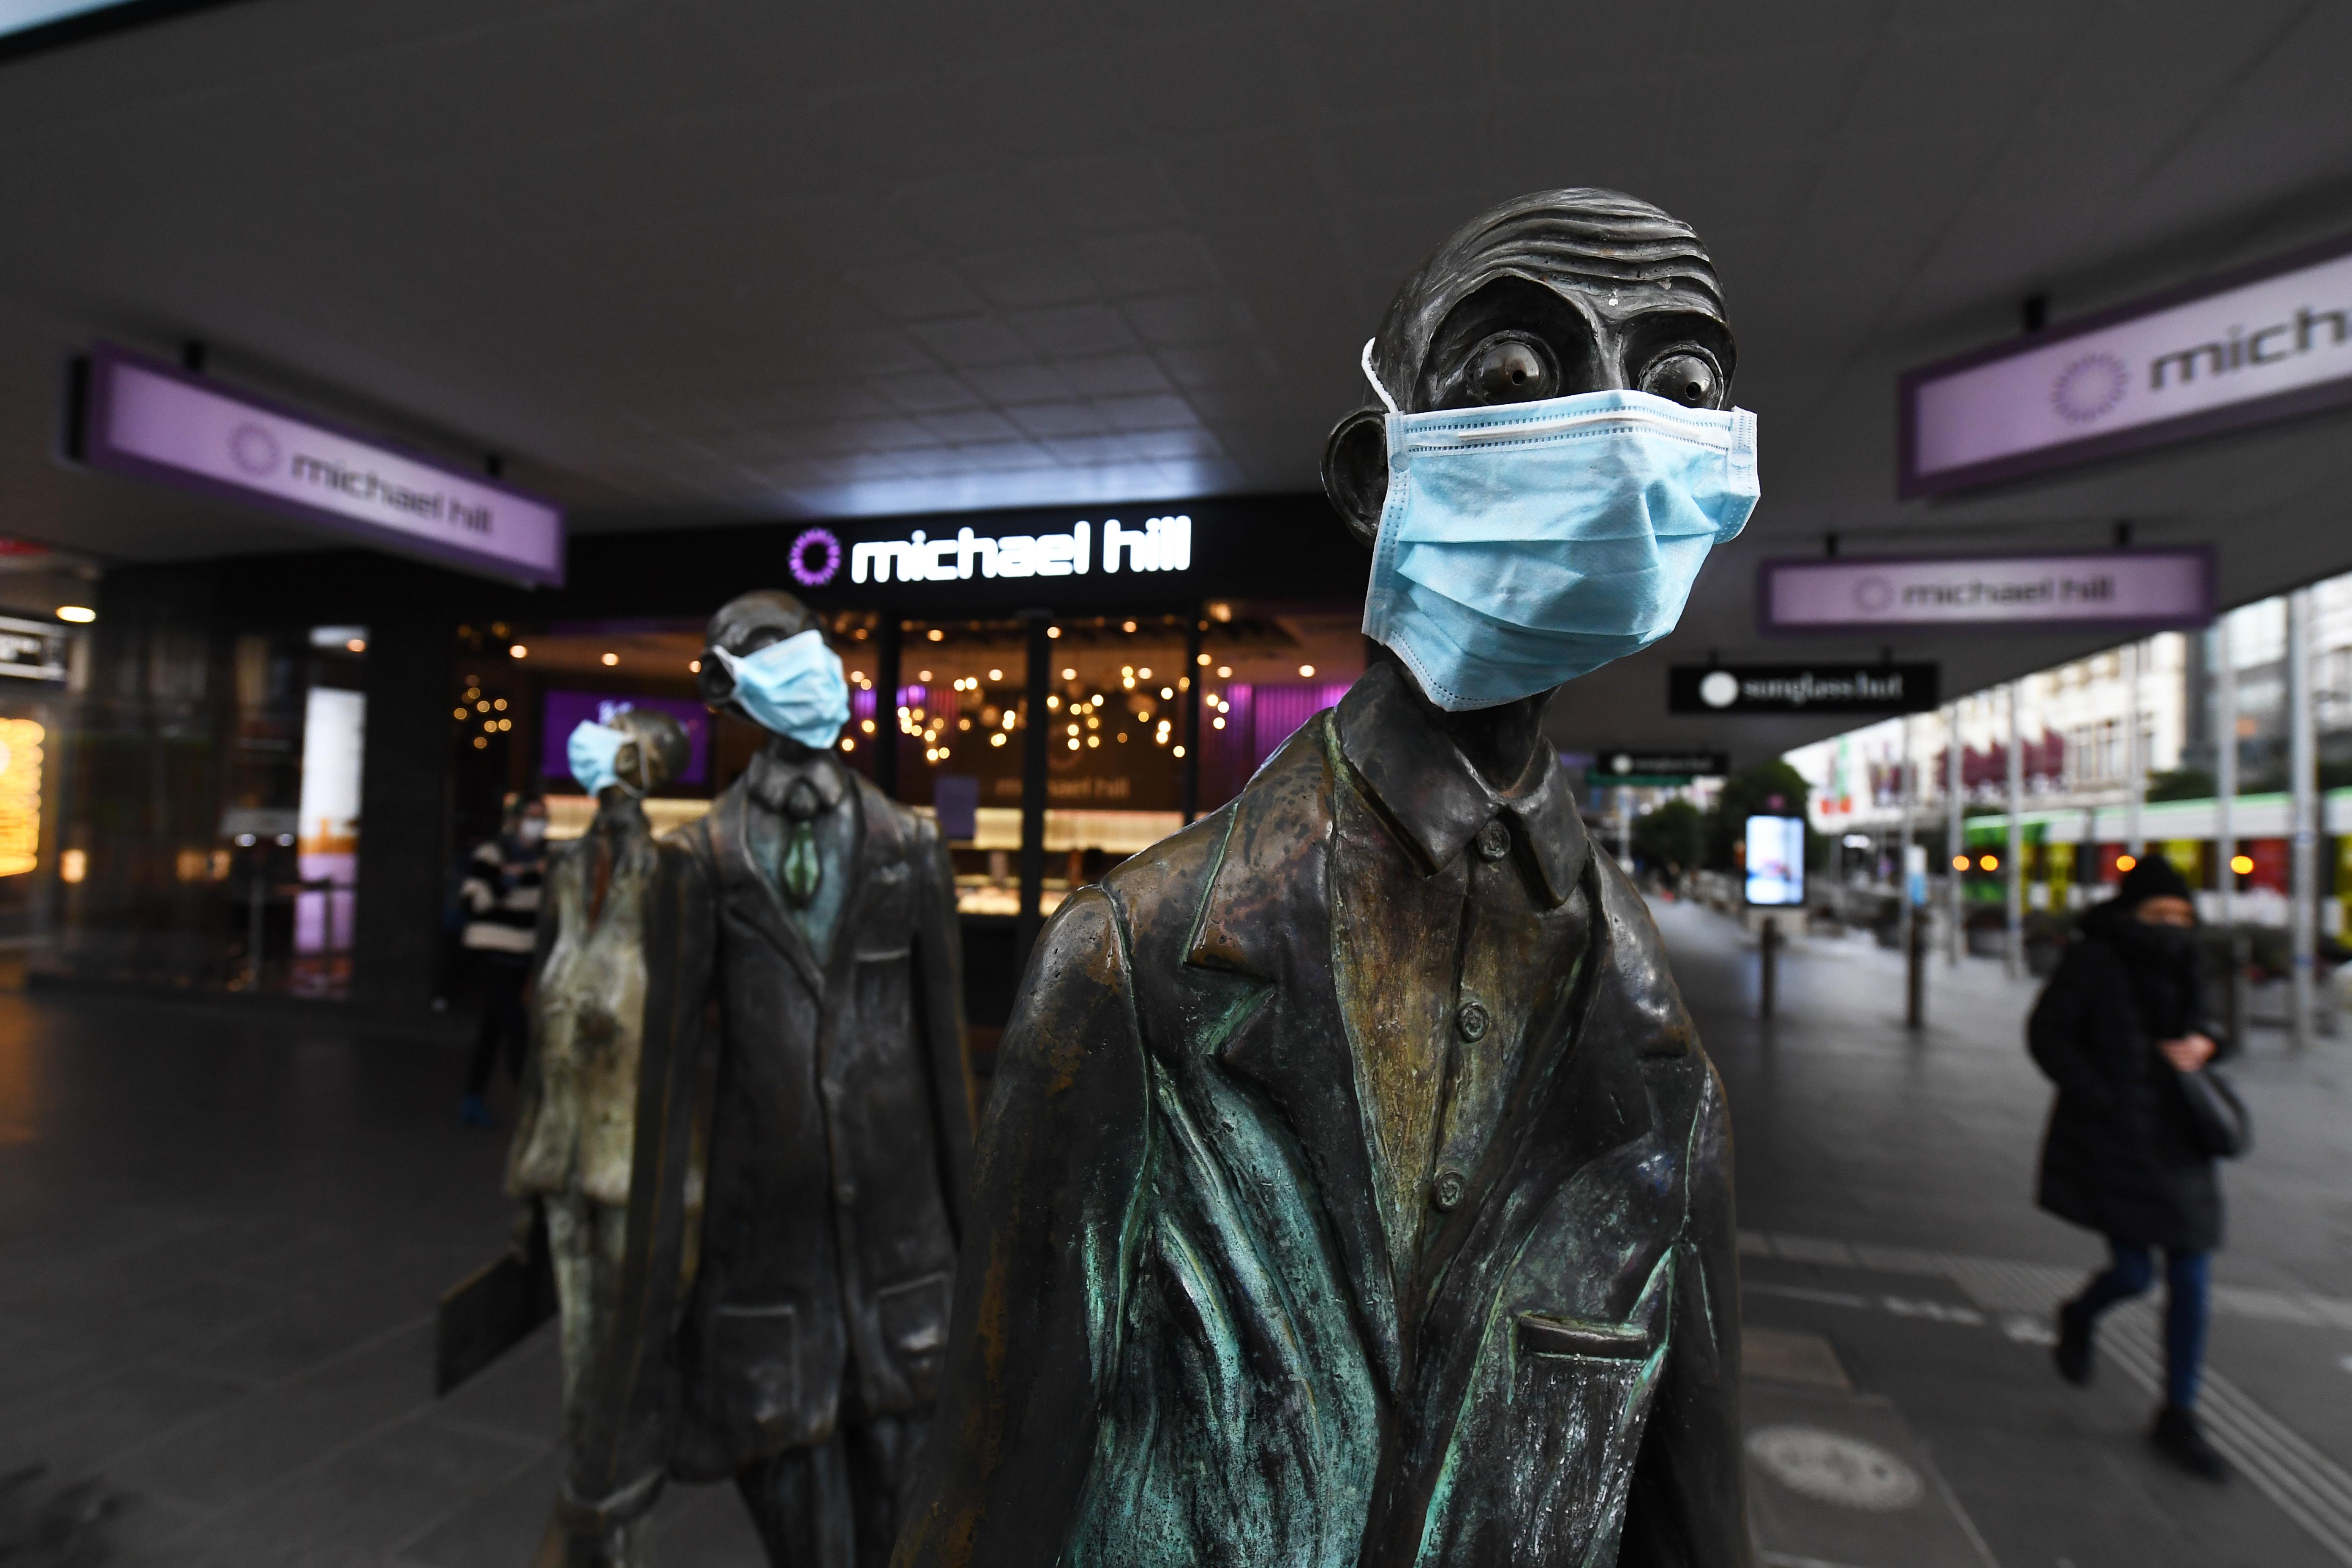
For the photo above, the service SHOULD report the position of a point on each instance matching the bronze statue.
(573, 1142)
(1353, 1188)
(813, 920)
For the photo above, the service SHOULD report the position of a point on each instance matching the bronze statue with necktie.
(803, 1003)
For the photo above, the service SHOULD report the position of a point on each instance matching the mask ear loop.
(1374, 377)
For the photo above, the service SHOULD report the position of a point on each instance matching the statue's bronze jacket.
(1180, 1337)
(839, 1157)
(580, 1101)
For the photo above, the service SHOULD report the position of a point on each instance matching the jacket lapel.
(750, 896)
(1266, 916)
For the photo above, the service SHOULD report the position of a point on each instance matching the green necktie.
(802, 870)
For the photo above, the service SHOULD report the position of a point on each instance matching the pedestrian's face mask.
(1524, 544)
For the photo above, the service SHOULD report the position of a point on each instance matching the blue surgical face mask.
(794, 687)
(594, 752)
(1525, 544)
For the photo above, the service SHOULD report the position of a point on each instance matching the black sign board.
(31, 651)
(1655, 767)
(1824, 687)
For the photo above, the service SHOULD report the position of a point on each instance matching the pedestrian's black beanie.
(2154, 877)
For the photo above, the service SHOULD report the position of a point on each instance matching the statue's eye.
(1509, 369)
(1684, 378)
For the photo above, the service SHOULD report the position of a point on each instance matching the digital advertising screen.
(1776, 860)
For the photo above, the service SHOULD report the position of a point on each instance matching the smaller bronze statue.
(572, 1144)
(812, 920)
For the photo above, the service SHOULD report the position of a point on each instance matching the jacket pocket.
(1590, 1339)
(758, 1352)
(912, 1318)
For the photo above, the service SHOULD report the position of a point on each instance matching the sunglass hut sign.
(1160, 544)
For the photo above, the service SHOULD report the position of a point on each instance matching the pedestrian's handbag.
(2224, 1129)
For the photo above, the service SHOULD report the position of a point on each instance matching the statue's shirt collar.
(771, 779)
(1426, 790)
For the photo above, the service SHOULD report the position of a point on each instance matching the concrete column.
(1954, 850)
(2302, 791)
(2136, 760)
(2012, 865)
(403, 821)
(2225, 769)
(1904, 914)
(1035, 737)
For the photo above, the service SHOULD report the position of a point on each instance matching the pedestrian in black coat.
(2116, 1029)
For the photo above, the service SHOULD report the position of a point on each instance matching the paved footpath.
(1898, 1288)
(221, 1235)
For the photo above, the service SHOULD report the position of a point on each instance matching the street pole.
(1954, 851)
(1903, 912)
(2012, 861)
(2135, 764)
(2302, 752)
(1911, 927)
(2225, 805)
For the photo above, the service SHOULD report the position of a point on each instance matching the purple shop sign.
(567, 710)
(2259, 343)
(2119, 590)
(157, 423)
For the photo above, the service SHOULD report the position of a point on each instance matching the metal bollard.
(1767, 945)
(1915, 978)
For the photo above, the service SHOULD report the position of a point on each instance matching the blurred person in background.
(500, 900)
(2117, 1028)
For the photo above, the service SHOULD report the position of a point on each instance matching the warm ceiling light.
(519, 651)
(1144, 674)
(1052, 631)
(1069, 675)
(847, 744)
(694, 667)
(1202, 659)
(2123, 862)
(997, 739)
(357, 645)
(611, 660)
(1225, 671)
(1180, 751)
(996, 675)
(924, 676)
(1126, 625)
(1306, 670)
(1167, 691)
(79, 614)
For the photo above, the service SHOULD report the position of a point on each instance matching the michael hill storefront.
(1063, 687)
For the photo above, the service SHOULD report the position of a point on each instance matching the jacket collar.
(771, 777)
(1426, 790)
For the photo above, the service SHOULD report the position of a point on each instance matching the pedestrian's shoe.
(2073, 1351)
(2179, 1439)
(474, 1113)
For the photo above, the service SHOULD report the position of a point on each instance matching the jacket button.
(1470, 1021)
(1447, 1191)
(846, 1193)
(1495, 840)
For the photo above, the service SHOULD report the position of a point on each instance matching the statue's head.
(655, 751)
(745, 626)
(1555, 293)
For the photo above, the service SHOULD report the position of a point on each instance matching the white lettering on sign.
(2107, 587)
(1982, 420)
(163, 425)
(1161, 545)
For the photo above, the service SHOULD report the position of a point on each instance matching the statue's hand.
(566, 1545)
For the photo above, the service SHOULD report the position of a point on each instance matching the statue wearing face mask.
(572, 1144)
(1354, 1189)
(814, 919)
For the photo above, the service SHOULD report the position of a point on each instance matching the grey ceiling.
(689, 262)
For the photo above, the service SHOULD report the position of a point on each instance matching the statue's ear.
(1356, 471)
